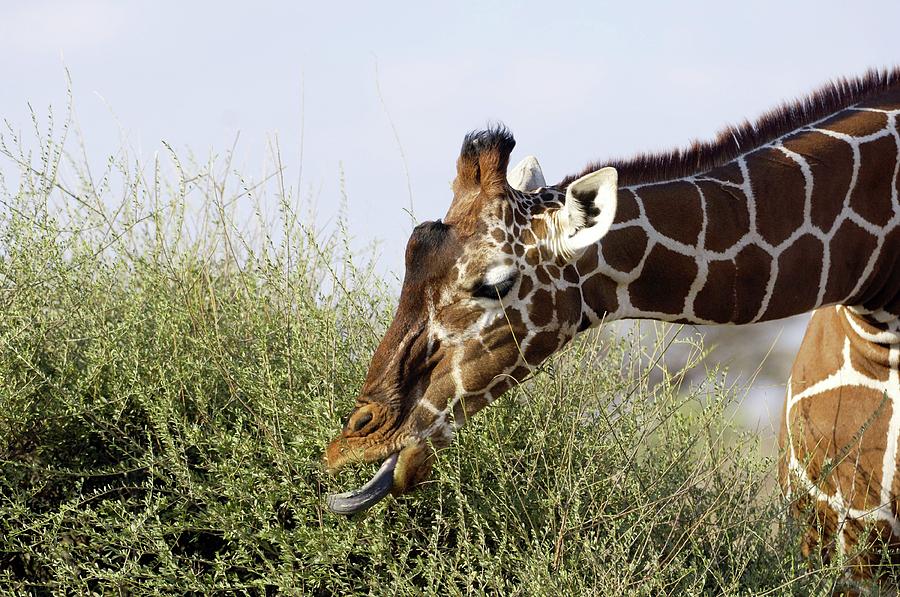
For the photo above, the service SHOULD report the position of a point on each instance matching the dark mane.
(733, 141)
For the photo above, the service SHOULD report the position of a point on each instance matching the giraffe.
(797, 212)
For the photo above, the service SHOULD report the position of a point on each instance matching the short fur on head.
(483, 160)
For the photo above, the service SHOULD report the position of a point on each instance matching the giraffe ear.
(589, 211)
(526, 176)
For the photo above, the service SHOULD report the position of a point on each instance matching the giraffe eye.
(495, 291)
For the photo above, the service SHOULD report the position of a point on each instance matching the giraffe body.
(839, 434)
(798, 212)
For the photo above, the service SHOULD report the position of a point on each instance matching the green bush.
(169, 379)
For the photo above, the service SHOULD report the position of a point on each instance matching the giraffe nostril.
(362, 421)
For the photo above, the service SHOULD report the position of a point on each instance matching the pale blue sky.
(575, 81)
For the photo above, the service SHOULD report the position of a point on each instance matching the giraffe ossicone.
(527, 175)
(797, 212)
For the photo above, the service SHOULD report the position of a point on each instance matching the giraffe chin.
(399, 473)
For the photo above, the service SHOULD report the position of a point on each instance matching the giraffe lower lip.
(369, 494)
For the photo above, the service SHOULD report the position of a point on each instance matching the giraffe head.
(489, 293)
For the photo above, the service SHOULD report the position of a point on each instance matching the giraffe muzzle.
(400, 473)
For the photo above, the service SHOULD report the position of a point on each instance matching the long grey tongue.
(369, 494)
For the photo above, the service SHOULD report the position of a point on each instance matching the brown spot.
(871, 196)
(897, 178)
(519, 249)
(831, 163)
(626, 206)
(674, 210)
(500, 340)
(797, 286)
(481, 363)
(779, 189)
(568, 306)
(541, 346)
(820, 352)
(525, 286)
(542, 275)
(512, 319)
(499, 235)
(624, 248)
(752, 269)
(855, 123)
(599, 293)
(729, 219)
(850, 247)
(539, 227)
(588, 261)
(870, 359)
(664, 282)
(509, 216)
(842, 435)
(730, 172)
(541, 307)
(528, 237)
(468, 406)
(715, 302)
(880, 289)
(570, 274)
(521, 372)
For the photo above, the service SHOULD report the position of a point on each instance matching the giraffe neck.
(809, 219)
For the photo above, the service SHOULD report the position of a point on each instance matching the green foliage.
(169, 379)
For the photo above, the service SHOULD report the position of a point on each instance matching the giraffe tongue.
(369, 494)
